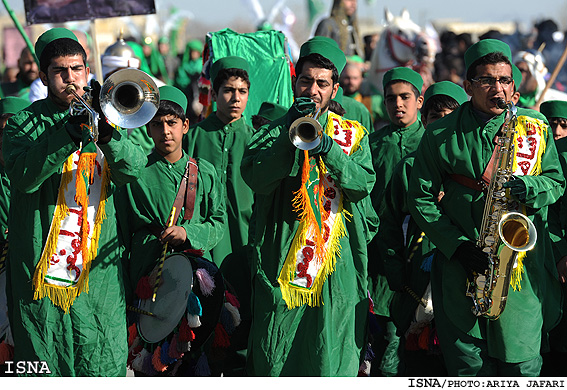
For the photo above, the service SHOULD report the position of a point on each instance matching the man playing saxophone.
(457, 153)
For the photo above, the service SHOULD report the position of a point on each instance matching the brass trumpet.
(305, 133)
(128, 98)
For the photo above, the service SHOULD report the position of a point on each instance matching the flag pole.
(21, 30)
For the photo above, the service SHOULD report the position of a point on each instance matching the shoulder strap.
(187, 191)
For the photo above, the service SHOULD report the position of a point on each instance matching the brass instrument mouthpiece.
(501, 103)
(70, 89)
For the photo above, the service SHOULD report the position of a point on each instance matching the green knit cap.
(404, 74)
(175, 95)
(228, 63)
(325, 47)
(553, 109)
(50, 36)
(484, 47)
(272, 111)
(12, 104)
(446, 88)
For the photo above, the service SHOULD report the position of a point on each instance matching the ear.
(186, 126)
(43, 78)
(468, 87)
(388, 15)
(335, 90)
(420, 102)
(213, 95)
(405, 14)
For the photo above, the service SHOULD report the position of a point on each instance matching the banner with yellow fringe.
(63, 269)
(319, 204)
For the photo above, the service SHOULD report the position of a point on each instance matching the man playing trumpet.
(66, 299)
(309, 300)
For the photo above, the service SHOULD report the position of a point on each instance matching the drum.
(171, 299)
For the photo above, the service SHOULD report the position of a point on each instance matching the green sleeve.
(125, 159)
(32, 155)
(425, 183)
(207, 234)
(556, 210)
(269, 158)
(354, 173)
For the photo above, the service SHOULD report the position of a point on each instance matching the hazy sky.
(524, 11)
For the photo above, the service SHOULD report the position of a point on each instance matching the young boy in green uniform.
(403, 100)
(221, 139)
(556, 113)
(453, 155)
(407, 253)
(149, 200)
(65, 287)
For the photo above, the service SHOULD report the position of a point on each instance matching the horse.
(402, 43)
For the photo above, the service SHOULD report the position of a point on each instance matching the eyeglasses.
(491, 81)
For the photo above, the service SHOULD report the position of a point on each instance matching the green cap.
(50, 36)
(517, 76)
(484, 47)
(195, 44)
(228, 63)
(326, 47)
(404, 74)
(272, 111)
(175, 95)
(448, 88)
(553, 109)
(12, 104)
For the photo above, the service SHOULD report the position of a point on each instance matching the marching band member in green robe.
(553, 362)
(407, 253)
(309, 277)
(402, 93)
(65, 287)
(149, 200)
(453, 154)
(221, 139)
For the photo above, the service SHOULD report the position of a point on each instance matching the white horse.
(402, 43)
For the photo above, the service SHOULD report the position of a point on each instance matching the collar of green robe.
(402, 73)
(228, 63)
(12, 105)
(271, 111)
(551, 109)
(172, 94)
(484, 47)
(447, 88)
(325, 47)
(50, 36)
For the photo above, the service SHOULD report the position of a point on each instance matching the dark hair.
(438, 103)
(225, 74)
(167, 107)
(336, 107)
(489, 59)
(62, 47)
(415, 91)
(320, 62)
(259, 121)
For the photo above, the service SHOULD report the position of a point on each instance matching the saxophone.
(503, 232)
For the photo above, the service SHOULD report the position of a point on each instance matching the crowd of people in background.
(349, 256)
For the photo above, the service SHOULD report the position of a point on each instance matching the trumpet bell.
(129, 98)
(517, 232)
(305, 133)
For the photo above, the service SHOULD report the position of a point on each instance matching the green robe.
(305, 341)
(223, 146)
(90, 340)
(356, 111)
(139, 136)
(148, 201)
(461, 143)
